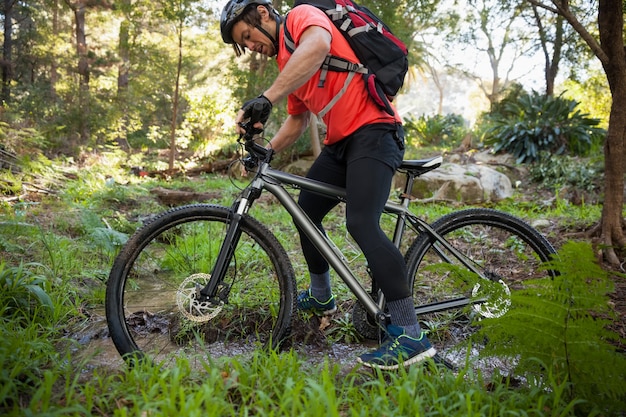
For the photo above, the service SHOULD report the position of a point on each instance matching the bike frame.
(274, 181)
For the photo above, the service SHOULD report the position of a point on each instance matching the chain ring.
(364, 324)
(187, 299)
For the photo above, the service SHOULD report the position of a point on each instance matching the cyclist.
(363, 147)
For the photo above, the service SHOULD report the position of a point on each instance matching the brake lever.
(250, 130)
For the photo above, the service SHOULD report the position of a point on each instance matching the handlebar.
(256, 151)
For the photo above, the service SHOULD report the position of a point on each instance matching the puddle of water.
(95, 347)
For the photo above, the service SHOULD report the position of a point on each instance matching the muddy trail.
(92, 346)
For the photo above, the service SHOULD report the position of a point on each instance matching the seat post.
(408, 187)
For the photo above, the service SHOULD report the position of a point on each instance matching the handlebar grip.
(256, 113)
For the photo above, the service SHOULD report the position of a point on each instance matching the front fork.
(231, 240)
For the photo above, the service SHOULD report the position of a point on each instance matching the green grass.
(61, 248)
(272, 384)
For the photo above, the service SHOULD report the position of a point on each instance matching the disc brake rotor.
(496, 305)
(187, 299)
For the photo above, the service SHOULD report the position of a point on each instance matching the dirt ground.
(618, 297)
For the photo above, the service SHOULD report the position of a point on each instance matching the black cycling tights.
(367, 181)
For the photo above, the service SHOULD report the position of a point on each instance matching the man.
(363, 147)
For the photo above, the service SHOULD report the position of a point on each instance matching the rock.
(299, 167)
(465, 183)
(468, 181)
(541, 224)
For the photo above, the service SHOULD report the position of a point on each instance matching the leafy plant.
(343, 330)
(531, 123)
(22, 291)
(23, 138)
(558, 329)
(566, 170)
(25, 352)
(435, 130)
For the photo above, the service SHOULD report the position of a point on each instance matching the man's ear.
(263, 11)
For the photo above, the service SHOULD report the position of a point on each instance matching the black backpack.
(383, 57)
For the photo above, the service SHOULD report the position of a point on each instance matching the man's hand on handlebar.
(255, 113)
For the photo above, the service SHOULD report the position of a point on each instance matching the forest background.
(152, 83)
(86, 74)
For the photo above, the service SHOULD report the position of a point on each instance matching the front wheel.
(152, 307)
(449, 298)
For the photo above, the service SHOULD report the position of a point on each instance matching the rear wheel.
(505, 249)
(152, 305)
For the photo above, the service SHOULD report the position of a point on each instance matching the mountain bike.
(207, 281)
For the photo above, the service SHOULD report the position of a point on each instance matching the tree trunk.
(611, 24)
(315, 136)
(123, 70)
(81, 44)
(610, 52)
(176, 94)
(7, 49)
(79, 9)
(53, 64)
(551, 67)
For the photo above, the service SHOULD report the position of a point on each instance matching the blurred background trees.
(527, 77)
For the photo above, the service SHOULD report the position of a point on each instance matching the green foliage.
(204, 126)
(278, 384)
(14, 137)
(25, 352)
(23, 293)
(529, 123)
(592, 93)
(558, 330)
(343, 330)
(435, 130)
(567, 171)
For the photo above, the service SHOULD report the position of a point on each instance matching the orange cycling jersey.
(355, 108)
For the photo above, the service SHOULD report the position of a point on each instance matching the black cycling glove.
(257, 109)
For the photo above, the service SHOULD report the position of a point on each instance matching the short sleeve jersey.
(355, 108)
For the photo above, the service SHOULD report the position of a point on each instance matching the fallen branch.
(211, 167)
(178, 197)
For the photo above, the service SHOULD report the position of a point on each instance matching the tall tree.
(54, 75)
(552, 60)
(558, 43)
(79, 8)
(484, 42)
(179, 14)
(608, 47)
(123, 71)
(7, 50)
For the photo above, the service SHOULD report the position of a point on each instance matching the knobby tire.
(145, 287)
(503, 247)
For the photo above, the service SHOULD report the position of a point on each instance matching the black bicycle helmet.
(232, 13)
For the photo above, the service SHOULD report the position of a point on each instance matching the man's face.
(251, 37)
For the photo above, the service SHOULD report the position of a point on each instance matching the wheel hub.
(190, 302)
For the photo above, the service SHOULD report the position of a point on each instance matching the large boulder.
(469, 180)
(469, 183)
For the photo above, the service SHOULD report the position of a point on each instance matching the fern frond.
(562, 323)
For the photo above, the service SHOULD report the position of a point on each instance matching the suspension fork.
(233, 233)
